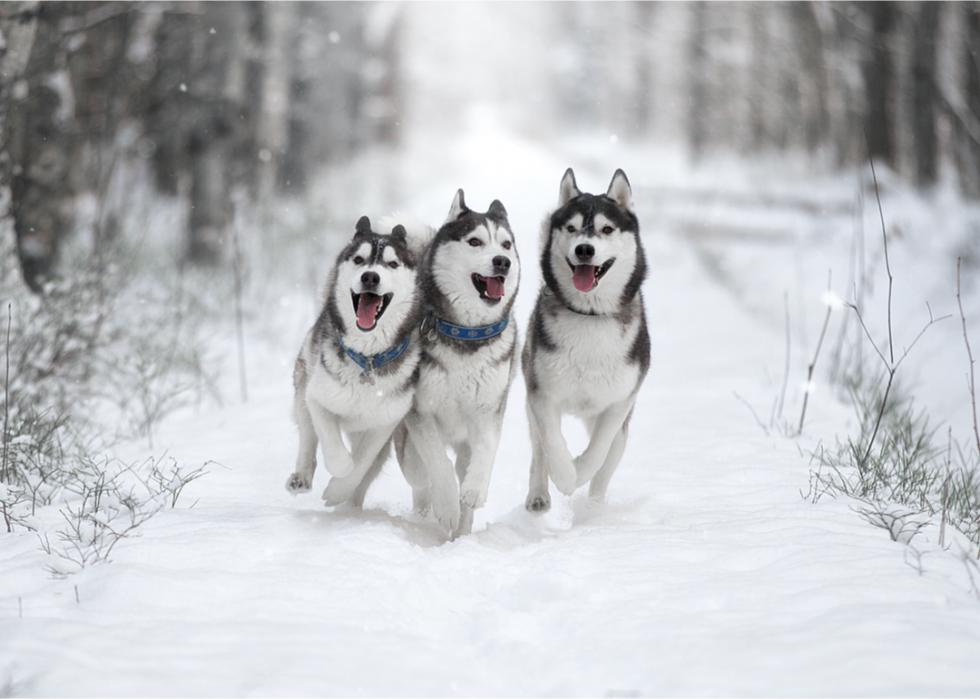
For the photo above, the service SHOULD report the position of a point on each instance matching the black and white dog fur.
(469, 277)
(588, 349)
(355, 374)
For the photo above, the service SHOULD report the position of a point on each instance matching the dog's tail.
(418, 233)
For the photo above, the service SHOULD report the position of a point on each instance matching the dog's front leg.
(607, 426)
(335, 455)
(547, 426)
(301, 479)
(538, 497)
(443, 486)
(366, 447)
(483, 442)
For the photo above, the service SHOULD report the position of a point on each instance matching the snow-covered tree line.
(214, 97)
(258, 96)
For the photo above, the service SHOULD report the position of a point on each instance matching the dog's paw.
(446, 510)
(538, 502)
(564, 475)
(298, 483)
(338, 491)
(473, 495)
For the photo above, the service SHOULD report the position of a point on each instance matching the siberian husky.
(357, 369)
(588, 349)
(469, 277)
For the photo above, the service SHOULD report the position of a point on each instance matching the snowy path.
(705, 573)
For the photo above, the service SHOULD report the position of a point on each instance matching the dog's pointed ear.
(399, 234)
(458, 207)
(497, 210)
(363, 225)
(568, 189)
(620, 191)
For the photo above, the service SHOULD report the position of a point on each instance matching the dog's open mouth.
(491, 289)
(586, 277)
(369, 308)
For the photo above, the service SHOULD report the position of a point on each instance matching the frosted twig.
(816, 356)
(971, 378)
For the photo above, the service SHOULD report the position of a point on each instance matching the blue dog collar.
(459, 332)
(369, 363)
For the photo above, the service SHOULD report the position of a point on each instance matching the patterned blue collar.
(477, 334)
(369, 363)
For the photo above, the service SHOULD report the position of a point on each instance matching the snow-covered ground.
(704, 573)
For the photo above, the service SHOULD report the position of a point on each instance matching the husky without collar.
(588, 349)
(469, 277)
(358, 366)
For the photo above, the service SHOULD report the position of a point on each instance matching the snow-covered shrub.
(111, 500)
(102, 346)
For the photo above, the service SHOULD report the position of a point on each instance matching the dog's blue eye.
(570, 228)
(475, 242)
(607, 229)
(358, 260)
(393, 265)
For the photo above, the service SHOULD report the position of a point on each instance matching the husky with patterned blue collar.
(469, 278)
(357, 370)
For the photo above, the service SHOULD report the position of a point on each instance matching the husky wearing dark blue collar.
(469, 276)
(358, 367)
(588, 348)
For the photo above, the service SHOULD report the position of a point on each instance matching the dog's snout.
(584, 251)
(370, 279)
(500, 262)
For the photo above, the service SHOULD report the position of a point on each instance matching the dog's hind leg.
(357, 499)
(412, 468)
(538, 497)
(609, 424)
(367, 447)
(600, 482)
(301, 480)
(443, 486)
(546, 419)
(463, 457)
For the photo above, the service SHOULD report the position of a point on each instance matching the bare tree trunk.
(697, 56)
(294, 173)
(216, 94)
(166, 114)
(39, 139)
(810, 44)
(273, 126)
(924, 97)
(760, 82)
(879, 78)
(643, 101)
(968, 154)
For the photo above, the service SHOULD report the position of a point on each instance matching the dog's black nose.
(370, 279)
(501, 263)
(584, 251)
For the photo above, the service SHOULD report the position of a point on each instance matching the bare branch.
(971, 379)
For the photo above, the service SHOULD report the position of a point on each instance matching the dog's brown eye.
(570, 228)
(475, 242)
(393, 265)
(607, 229)
(506, 245)
(358, 260)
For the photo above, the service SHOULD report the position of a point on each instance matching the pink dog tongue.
(367, 310)
(495, 287)
(584, 277)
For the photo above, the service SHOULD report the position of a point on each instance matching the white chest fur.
(459, 387)
(589, 369)
(361, 405)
